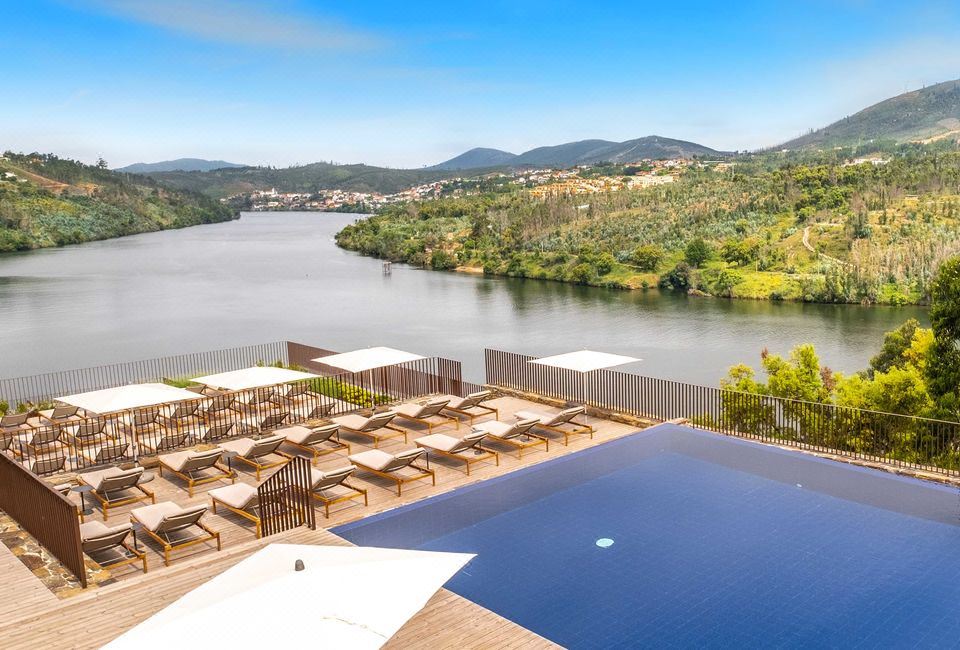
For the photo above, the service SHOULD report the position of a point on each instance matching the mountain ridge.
(178, 165)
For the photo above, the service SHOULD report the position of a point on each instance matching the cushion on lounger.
(95, 479)
(238, 495)
(295, 433)
(438, 441)
(151, 516)
(374, 459)
(242, 446)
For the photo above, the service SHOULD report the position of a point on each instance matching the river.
(279, 276)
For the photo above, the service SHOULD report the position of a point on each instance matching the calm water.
(280, 276)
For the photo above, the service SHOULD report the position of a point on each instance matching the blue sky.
(406, 84)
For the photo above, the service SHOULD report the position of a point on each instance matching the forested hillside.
(48, 201)
(780, 227)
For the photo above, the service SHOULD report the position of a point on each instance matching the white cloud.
(244, 22)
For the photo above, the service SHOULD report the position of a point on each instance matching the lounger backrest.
(201, 460)
(474, 399)
(378, 420)
(321, 411)
(46, 436)
(264, 447)
(90, 428)
(433, 407)
(198, 388)
(403, 459)
(111, 452)
(274, 420)
(566, 415)
(321, 434)
(296, 390)
(142, 418)
(263, 395)
(521, 427)
(172, 440)
(184, 411)
(222, 402)
(219, 431)
(48, 464)
(123, 481)
(109, 539)
(334, 477)
(181, 520)
(60, 412)
(14, 420)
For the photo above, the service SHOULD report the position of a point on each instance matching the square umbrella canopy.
(121, 398)
(254, 377)
(344, 597)
(368, 359)
(585, 360)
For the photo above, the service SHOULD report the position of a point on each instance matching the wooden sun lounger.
(110, 452)
(372, 427)
(517, 435)
(563, 422)
(426, 413)
(166, 523)
(330, 487)
(112, 487)
(101, 543)
(468, 448)
(470, 405)
(310, 439)
(394, 466)
(168, 441)
(240, 499)
(196, 467)
(254, 452)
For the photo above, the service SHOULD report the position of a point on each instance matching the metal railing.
(44, 513)
(899, 440)
(285, 499)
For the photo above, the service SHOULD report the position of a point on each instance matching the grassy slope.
(54, 202)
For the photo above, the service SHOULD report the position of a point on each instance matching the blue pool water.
(716, 542)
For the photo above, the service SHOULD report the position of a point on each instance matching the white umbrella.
(253, 377)
(345, 597)
(368, 359)
(585, 362)
(121, 398)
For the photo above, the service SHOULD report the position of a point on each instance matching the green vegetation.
(46, 201)
(806, 226)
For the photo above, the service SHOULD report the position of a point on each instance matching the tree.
(677, 279)
(101, 163)
(895, 345)
(441, 260)
(647, 257)
(943, 368)
(698, 252)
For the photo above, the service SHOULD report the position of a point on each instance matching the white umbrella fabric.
(121, 398)
(345, 597)
(368, 359)
(253, 377)
(585, 362)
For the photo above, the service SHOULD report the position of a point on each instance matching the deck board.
(102, 613)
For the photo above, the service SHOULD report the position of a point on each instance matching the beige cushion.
(438, 441)
(374, 458)
(543, 418)
(94, 479)
(96, 528)
(410, 410)
(494, 428)
(176, 460)
(238, 495)
(151, 516)
(242, 445)
(351, 421)
(295, 433)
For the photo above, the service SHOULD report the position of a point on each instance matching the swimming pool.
(715, 542)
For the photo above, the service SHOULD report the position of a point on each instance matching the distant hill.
(48, 201)
(178, 165)
(477, 158)
(920, 115)
(583, 152)
(304, 178)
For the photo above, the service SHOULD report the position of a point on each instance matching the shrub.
(604, 263)
(441, 260)
(581, 274)
(647, 257)
(697, 252)
(677, 279)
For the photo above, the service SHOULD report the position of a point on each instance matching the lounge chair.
(61, 414)
(471, 406)
(107, 545)
(42, 441)
(320, 411)
(517, 435)
(466, 448)
(184, 416)
(169, 525)
(167, 440)
(427, 413)
(399, 468)
(196, 467)
(89, 433)
(299, 396)
(15, 423)
(112, 487)
(110, 452)
(41, 465)
(269, 422)
(562, 422)
(330, 487)
(221, 406)
(145, 421)
(221, 431)
(316, 441)
(241, 499)
(255, 452)
(374, 426)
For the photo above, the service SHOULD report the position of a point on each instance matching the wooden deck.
(102, 613)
